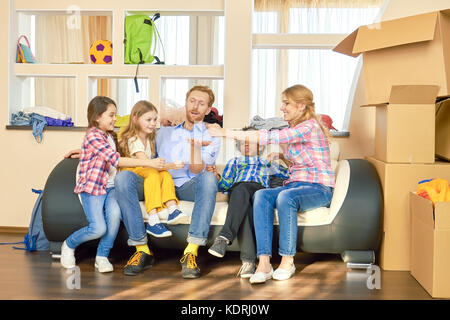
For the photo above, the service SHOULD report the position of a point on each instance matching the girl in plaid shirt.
(305, 145)
(95, 184)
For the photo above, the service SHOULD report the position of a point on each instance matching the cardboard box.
(430, 245)
(397, 181)
(442, 138)
(405, 127)
(407, 51)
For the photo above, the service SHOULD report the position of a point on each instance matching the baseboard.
(21, 230)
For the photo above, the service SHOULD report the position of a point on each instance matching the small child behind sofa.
(241, 178)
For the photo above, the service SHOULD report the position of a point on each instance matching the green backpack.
(141, 36)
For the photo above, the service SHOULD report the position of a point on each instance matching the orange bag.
(435, 190)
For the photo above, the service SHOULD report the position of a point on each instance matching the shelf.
(53, 128)
(138, 5)
(296, 41)
(113, 70)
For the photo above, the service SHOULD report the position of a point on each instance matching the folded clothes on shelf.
(20, 119)
(46, 112)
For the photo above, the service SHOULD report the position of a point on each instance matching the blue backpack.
(35, 239)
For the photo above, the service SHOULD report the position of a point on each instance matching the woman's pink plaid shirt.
(307, 147)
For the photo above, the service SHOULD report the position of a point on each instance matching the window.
(174, 32)
(328, 74)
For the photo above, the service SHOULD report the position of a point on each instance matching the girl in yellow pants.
(159, 190)
(137, 140)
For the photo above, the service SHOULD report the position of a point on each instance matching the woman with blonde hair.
(305, 145)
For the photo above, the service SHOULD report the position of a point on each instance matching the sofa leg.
(358, 259)
(55, 249)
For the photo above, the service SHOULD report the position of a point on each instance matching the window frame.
(285, 40)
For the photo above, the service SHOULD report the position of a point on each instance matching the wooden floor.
(36, 275)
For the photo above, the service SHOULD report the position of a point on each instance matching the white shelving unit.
(85, 73)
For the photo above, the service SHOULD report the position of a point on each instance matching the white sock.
(153, 219)
(172, 208)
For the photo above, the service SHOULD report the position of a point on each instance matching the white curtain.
(328, 74)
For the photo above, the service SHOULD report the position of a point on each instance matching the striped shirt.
(308, 150)
(97, 156)
(249, 169)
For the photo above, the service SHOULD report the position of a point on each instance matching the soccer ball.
(101, 52)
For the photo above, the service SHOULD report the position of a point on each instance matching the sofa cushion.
(315, 217)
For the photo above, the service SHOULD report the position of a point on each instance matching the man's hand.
(75, 154)
(198, 143)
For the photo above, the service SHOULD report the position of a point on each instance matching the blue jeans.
(202, 190)
(103, 214)
(130, 190)
(288, 200)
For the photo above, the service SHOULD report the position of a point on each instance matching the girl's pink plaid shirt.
(97, 156)
(308, 149)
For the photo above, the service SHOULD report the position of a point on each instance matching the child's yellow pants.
(158, 187)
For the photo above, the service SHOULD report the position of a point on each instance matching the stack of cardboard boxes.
(406, 66)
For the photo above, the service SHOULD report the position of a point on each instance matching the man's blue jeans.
(130, 190)
(103, 214)
(202, 190)
(288, 200)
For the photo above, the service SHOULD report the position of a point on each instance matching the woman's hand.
(215, 130)
(157, 163)
(275, 156)
(75, 154)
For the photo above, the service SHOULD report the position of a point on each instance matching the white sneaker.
(103, 264)
(282, 274)
(261, 277)
(67, 256)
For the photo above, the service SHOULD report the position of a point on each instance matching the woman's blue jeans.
(103, 214)
(288, 200)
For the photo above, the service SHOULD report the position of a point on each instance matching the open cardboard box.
(442, 139)
(408, 51)
(430, 245)
(397, 181)
(405, 126)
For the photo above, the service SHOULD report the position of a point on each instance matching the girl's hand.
(157, 163)
(73, 154)
(176, 165)
(215, 130)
